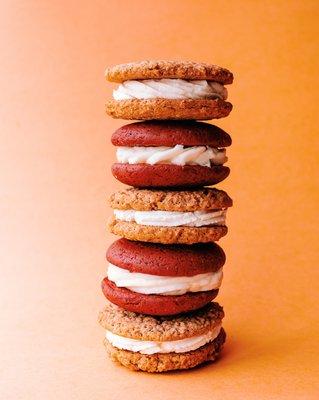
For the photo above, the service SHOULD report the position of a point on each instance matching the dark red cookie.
(154, 304)
(168, 175)
(166, 260)
(169, 133)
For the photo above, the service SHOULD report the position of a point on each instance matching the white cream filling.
(172, 218)
(178, 155)
(152, 347)
(165, 285)
(170, 89)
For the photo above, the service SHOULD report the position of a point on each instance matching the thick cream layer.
(153, 347)
(172, 218)
(178, 155)
(170, 89)
(165, 285)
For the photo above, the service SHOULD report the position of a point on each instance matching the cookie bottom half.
(155, 304)
(169, 175)
(172, 109)
(161, 362)
(167, 235)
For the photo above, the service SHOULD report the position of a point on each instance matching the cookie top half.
(145, 327)
(161, 69)
(168, 260)
(170, 133)
(170, 200)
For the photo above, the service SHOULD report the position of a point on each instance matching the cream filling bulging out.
(170, 89)
(153, 347)
(164, 285)
(172, 218)
(178, 155)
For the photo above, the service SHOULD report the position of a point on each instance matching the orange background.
(55, 176)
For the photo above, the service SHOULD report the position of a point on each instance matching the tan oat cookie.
(153, 69)
(167, 362)
(170, 109)
(169, 90)
(153, 336)
(170, 200)
(167, 235)
(146, 327)
(166, 216)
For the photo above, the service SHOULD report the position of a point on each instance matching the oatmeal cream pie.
(167, 216)
(159, 344)
(170, 154)
(158, 279)
(169, 90)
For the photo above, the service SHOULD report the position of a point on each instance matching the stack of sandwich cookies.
(164, 272)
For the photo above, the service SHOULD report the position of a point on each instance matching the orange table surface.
(55, 177)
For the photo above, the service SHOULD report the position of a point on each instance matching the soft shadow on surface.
(228, 351)
(245, 350)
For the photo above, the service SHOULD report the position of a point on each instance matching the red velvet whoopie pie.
(158, 279)
(170, 154)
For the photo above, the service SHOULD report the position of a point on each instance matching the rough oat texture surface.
(144, 327)
(172, 109)
(170, 200)
(169, 361)
(158, 69)
(167, 235)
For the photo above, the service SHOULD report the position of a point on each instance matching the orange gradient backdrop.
(55, 177)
